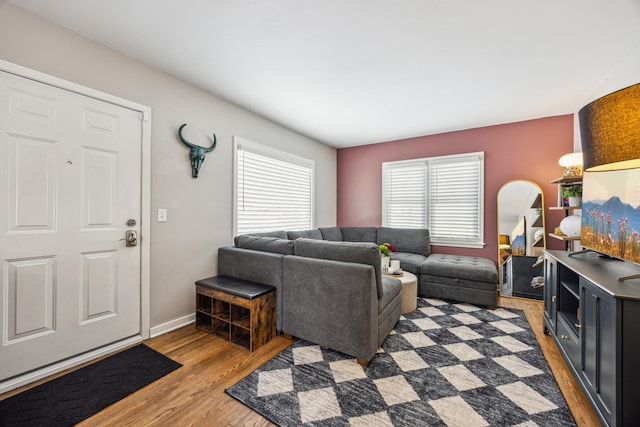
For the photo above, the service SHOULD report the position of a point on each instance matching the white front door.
(70, 180)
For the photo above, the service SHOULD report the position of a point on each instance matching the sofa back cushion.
(276, 234)
(359, 234)
(331, 233)
(356, 252)
(265, 244)
(308, 234)
(412, 240)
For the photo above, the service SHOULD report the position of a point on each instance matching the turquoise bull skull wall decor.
(196, 152)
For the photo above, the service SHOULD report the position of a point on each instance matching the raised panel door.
(70, 178)
(598, 332)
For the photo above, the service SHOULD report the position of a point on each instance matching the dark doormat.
(78, 395)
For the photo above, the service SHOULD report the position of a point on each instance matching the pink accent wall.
(524, 150)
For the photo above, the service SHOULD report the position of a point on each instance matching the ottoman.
(460, 278)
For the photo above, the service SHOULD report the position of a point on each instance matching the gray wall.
(183, 249)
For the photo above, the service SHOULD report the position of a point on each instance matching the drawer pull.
(553, 298)
(578, 325)
(564, 337)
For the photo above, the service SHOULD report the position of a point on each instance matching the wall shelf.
(537, 202)
(539, 242)
(564, 238)
(565, 181)
(537, 222)
(564, 208)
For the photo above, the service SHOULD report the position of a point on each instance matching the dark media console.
(608, 258)
(594, 318)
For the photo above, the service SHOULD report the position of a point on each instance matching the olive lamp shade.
(610, 131)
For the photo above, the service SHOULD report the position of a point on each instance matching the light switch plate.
(162, 215)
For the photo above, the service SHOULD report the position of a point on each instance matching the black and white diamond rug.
(445, 364)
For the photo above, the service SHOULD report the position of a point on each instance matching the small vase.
(385, 264)
(575, 201)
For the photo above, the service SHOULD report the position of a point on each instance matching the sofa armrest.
(331, 303)
(255, 266)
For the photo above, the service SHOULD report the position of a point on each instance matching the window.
(273, 190)
(444, 194)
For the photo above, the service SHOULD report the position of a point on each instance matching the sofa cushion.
(278, 234)
(308, 234)
(265, 244)
(409, 262)
(412, 240)
(357, 252)
(359, 234)
(460, 267)
(331, 233)
(245, 289)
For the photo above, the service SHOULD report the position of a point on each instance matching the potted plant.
(573, 194)
(385, 251)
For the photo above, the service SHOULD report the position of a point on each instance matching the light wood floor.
(194, 394)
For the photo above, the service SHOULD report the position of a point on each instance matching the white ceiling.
(353, 72)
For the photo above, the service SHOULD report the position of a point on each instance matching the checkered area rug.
(445, 364)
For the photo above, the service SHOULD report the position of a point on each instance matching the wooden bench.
(236, 310)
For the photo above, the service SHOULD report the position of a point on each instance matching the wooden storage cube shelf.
(248, 323)
(241, 316)
(219, 328)
(220, 310)
(203, 321)
(240, 336)
(203, 304)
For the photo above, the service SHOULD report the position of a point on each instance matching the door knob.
(131, 238)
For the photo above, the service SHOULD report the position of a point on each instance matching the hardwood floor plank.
(194, 395)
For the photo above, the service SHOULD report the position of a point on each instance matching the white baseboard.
(66, 364)
(172, 325)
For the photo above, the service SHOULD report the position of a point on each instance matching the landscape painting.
(611, 213)
(518, 240)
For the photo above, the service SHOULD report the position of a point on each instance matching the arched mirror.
(521, 239)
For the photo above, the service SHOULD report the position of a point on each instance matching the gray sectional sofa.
(330, 288)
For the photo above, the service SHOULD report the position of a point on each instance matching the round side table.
(409, 295)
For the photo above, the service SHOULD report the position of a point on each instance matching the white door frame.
(145, 222)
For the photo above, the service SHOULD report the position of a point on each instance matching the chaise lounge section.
(459, 278)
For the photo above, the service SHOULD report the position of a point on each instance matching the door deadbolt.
(131, 238)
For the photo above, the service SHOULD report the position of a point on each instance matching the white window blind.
(454, 199)
(405, 189)
(444, 194)
(274, 189)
